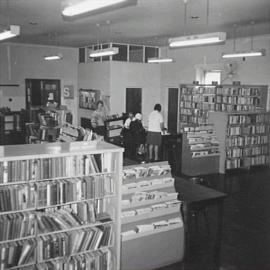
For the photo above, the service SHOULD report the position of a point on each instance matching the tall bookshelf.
(152, 227)
(244, 138)
(60, 206)
(197, 100)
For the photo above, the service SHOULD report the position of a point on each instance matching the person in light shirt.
(98, 118)
(155, 128)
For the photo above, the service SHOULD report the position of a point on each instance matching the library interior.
(128, 142)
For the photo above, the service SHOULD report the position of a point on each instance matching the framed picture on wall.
(88, 98)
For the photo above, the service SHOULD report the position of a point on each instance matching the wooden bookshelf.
(152, 227)
(114, 125)
(60, 205)
(200, 151)
(197, 100)
(244, 138)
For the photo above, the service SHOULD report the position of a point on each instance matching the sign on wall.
(68, 92)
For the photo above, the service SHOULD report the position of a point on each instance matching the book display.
(114, 124)
(60, 206)
(197, 100)
(244, 139)
(200, 150)
(152, 227)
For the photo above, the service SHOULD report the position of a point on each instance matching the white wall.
(96, 76)
(18, 62)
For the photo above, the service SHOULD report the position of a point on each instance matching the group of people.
(136, 137)
(134, 134)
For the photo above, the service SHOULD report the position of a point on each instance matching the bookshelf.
(197, 100)
(12, 127)
(152, 227)
(60, 206)
(200, 151)
(244, 138)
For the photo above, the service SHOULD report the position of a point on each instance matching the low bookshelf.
(152, 227)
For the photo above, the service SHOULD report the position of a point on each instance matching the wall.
(135, 75)
(18, 62)
(95, 75)
(251, 71)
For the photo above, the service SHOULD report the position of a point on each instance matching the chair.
(32, 133)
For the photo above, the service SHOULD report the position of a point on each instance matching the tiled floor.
(246, 224)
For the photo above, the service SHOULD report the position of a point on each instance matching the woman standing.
(98, 118)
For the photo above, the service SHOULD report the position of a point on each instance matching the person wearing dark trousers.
(98, 118)
(138, 135)
(155, 128)
(125, 132)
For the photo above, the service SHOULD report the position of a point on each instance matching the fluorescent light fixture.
(244, 54)
(53, 57)
(160, 60)
(13, 32)
(104, 52)
(93, 6)
(195, 40)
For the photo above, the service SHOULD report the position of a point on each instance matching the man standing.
(155, 127)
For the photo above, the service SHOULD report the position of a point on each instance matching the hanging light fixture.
(244, 54)
(54, 56)
(197, 40)
(94, 6)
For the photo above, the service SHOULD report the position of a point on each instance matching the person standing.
(98, 118)
(155, 128)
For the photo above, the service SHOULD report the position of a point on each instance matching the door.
(134, 100)
(172, 110)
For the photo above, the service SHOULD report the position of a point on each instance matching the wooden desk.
(193, 196)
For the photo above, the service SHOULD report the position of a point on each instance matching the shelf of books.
(114, 124)
(197, 100)
(200, 150)
(152, 227)
(244, 139)
(60, 206)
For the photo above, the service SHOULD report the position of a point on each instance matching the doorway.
(172, 110)
(134, 100)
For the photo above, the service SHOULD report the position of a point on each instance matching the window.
(212, 76)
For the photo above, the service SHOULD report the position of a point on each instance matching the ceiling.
(150, 22)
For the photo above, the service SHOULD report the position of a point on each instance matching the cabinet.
(60, 206)
(197, 100)
(200, 151)
(244, 138)
(114, 125)
(12, 127)
(152, 227)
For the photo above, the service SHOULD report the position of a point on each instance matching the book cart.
(60, 206)
(152, 227)
(200, 150)
(244, 138)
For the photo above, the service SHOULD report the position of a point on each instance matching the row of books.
(247, 162)
(238, 100)
(17, 225)
(239, 91)
(153, 226)
(17, 197)
(152, 208)
(198, 90)
(248, 151)
(234, 108)
(140, 171)
(247, 140)
(248, 130)
(249, 118)
(70, 243)
(97, 260)
(168, 181)
(149, 196)
(17, 254)
(74, 189)
(47, 168)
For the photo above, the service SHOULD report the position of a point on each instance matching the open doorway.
(134, 100)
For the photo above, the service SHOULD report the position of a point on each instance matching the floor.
(246, 224)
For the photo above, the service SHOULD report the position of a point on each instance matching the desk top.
(195, 193)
